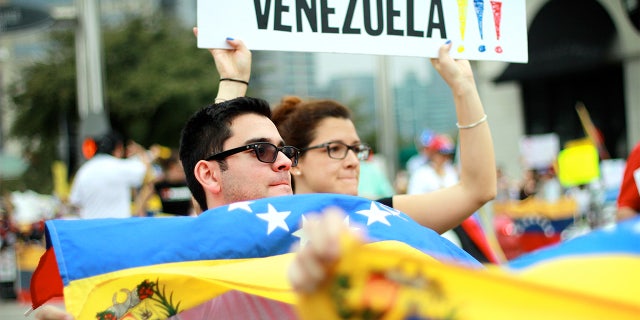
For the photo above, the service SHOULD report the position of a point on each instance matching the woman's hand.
(456, 73)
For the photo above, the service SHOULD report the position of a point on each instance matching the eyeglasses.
(339, 150)
(265, 152)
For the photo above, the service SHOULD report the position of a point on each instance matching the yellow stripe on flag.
(388, 277)
(399, 284)
(187, 283)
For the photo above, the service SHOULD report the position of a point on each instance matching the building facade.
(580, 51)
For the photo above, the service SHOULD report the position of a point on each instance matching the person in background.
(373, 182)
(169, 187)
(529, 184)
(103, 186)
(422, 157)
(172, 188)
(629, 198)
(439, 171)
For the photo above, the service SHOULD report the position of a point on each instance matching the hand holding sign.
(231, 64)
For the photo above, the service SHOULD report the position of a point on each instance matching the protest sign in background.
(479, 29)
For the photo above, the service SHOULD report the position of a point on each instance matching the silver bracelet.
(475, 124)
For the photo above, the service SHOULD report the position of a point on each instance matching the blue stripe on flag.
(251, 229)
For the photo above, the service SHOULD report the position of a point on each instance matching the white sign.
(539, 151)
(478, 29)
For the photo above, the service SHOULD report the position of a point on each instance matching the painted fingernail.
(448, 42)
(229, 38)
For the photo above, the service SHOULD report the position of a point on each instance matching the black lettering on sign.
(436, 5)
(348, 20)
(309, 12)
(390, 14)
(367, 18)
(325, 11)
(411, 31)
(277, 19)
(262, 17)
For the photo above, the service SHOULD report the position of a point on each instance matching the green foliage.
(45, 98)
(155, 78)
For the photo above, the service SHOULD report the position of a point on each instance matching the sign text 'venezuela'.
(384, 13)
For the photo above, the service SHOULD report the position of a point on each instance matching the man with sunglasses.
(242, 158)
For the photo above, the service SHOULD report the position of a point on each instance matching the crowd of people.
(239, 149)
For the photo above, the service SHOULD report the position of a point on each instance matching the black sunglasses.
(339, 150)
(265, 152)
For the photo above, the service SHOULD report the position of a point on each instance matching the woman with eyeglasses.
(323, 132)
(331, 151)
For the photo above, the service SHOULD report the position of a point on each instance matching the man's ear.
(208, 173)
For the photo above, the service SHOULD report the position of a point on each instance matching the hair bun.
(288, 104)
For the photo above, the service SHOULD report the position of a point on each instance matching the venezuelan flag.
(143, 268)
(158, 267)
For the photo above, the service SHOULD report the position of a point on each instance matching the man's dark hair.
(206, 131)
(108, 142)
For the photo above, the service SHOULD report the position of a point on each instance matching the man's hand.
(234, 63)
(52, 313)
(313, 262)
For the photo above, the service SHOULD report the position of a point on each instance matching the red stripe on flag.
(45, 281)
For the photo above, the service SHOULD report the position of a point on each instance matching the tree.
(155, 78)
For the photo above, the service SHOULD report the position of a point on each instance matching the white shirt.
(425, 179)
(102, 186)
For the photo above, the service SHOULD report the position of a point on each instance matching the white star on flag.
(244, 205)
(275, 219)
(374, 214)
(394, 212)
(301, 234)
